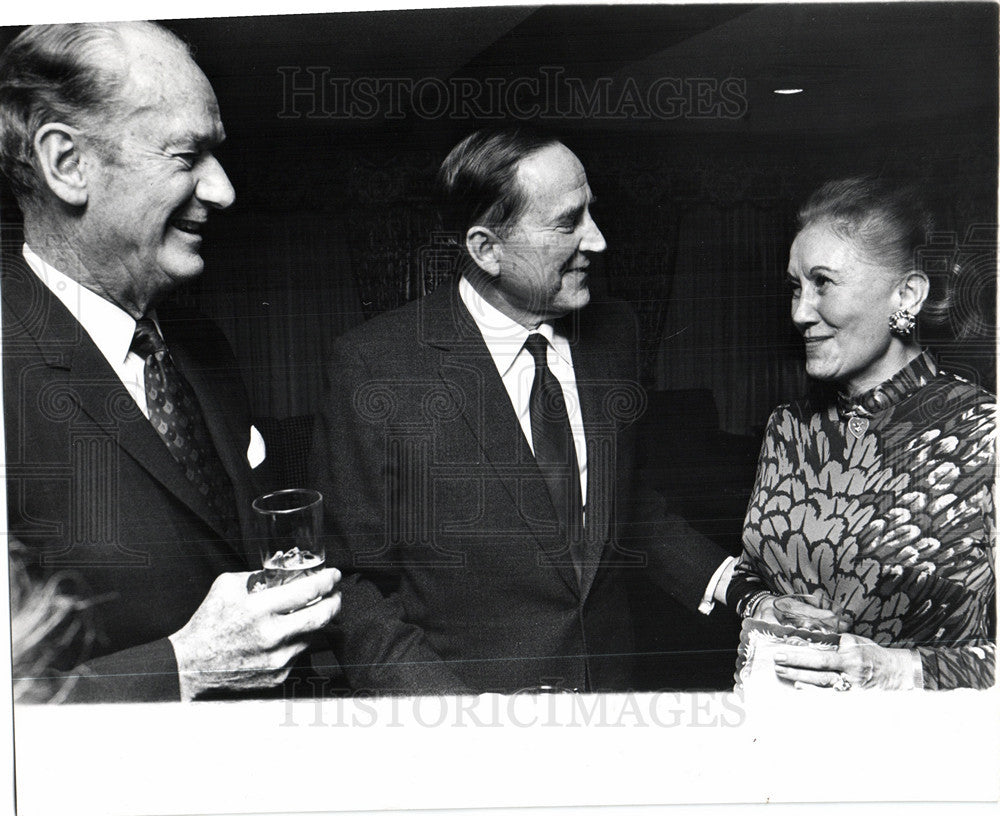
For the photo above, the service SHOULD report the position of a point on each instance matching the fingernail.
(799, 685)
(781, 657)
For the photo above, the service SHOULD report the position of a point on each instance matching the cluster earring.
(901, 323)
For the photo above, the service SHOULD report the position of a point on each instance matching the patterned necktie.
(555, 453)
(177, 418)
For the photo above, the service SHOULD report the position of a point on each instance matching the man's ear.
(913, 291)
(58, 150)
(485, 248)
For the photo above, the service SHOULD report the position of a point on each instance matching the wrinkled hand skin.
(240, 640)
(866, 664)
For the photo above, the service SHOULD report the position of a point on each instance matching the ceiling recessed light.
(788, 91)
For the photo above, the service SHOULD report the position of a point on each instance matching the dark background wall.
(697, 187)
(697, 164)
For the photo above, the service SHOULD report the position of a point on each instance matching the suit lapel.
(82, 377)
(596, 380)
(466, 364)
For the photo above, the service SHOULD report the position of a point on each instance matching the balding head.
(73, 74)
(109, 133)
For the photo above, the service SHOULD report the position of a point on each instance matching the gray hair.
(477, 183)
(888, 221)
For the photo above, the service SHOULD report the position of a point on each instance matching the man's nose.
(593, 240)
(214, 188)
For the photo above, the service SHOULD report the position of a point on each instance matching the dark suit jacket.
(94, 492)
(457, 579)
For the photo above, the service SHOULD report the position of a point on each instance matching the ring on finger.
(842, 683)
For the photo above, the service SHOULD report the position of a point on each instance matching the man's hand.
(241, 640)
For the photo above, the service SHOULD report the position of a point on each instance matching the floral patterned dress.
(886, 503)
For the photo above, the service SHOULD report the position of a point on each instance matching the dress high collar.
(900, 385)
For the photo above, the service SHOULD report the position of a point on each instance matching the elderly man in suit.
(128, 438)
(477, 450)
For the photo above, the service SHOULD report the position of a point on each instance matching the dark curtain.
(726, 325)
(281, 286)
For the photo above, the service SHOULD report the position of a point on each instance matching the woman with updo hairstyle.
(874, 493)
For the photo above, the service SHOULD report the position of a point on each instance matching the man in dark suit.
(476, 449)
(129, 447)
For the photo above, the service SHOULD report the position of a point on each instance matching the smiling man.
(130, 452)
(477, 448)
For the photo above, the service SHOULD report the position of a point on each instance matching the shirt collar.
(503, 336)
(110, 327)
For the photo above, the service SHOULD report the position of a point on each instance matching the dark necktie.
(177, 418)
(555, 453)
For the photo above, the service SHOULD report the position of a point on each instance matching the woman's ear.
(913, 291)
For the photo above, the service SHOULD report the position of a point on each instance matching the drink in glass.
(813, 613)
(289, 534)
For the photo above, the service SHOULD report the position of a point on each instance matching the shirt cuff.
(708, 599)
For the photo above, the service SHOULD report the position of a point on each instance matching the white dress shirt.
(112, 328)
(505, 340)
(109, 326)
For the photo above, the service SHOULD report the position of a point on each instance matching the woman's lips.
(187, 225)
(813, 343)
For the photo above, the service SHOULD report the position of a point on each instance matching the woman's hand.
(764, 611)
(858, 663)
